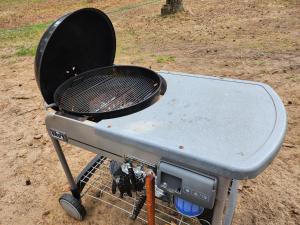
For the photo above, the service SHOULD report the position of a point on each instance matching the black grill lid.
(77, 42)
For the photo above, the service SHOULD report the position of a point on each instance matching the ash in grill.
(105, 89)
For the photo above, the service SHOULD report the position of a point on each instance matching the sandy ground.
(253, 40)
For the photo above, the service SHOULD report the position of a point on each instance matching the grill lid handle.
(163, 85)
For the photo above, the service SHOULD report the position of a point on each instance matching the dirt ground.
(252, 40)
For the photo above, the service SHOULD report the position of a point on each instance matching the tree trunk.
(172, 6)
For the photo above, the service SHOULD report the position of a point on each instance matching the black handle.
(163, 85)
(132, 178)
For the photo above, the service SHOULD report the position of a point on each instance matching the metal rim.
(120, 112)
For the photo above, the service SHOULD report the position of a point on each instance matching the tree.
(172, 6)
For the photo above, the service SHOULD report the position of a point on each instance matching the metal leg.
(221, 198)
(231, 203)
(63, 161)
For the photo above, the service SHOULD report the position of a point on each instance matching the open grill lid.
(75, 43)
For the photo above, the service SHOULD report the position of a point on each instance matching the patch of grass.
(21, 41)
(23, 34)
(26, 51)
(132, 6)
(165, 58)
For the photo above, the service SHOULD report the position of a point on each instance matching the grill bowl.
(108, 92)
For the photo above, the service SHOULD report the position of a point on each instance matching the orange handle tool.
(150, 197)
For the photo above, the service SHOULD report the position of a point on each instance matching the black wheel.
(72, 206)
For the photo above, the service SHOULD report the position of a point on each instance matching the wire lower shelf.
(98, 186)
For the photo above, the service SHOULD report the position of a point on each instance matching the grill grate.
(106, 90)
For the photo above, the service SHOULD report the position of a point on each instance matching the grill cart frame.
(259, 132)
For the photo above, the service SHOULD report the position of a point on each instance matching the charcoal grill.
(198, 137)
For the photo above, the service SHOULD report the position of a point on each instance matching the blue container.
(187, 208)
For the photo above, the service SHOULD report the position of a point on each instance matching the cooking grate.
(105, 90)
(98, 187)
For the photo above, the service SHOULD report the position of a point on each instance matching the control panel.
(190, 185)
